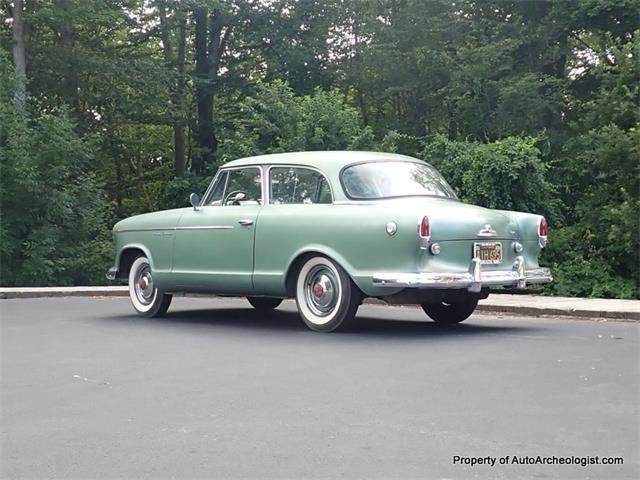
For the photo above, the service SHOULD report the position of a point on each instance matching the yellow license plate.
(489, 253)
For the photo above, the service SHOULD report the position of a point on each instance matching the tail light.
(543, 231)
(425, 228)
(425, 233)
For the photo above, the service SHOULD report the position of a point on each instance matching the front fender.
(119, 273)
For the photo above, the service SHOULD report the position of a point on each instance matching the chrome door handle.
(246, 222)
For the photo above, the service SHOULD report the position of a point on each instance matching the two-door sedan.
(329, 229)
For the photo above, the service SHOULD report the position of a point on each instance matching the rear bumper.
(473, 280)
(112, 273)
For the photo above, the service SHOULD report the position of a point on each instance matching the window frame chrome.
(221, 170)
(267, 182)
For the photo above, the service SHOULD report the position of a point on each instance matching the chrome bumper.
(112, 273)
(473, 280)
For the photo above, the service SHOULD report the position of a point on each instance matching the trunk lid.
(453, 220)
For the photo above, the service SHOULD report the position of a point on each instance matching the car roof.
(324, 160)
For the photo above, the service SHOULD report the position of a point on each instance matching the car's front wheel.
(449, 313)
(326, 297)
(264, 304)
(145, 297)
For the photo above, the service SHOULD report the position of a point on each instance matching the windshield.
(375, 180)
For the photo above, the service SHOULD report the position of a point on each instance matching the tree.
(526, 105)
(275, 119)
(175, 59)
(211, 36)
(20, 36)
(54, 217)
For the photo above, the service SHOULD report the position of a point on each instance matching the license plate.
(489, 253)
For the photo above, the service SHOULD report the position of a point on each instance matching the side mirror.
(194, 198)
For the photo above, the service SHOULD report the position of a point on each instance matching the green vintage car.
(329, 229)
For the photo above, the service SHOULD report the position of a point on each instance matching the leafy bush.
(275, 120)
(508, 174)
(401, 143)
(176, 191)
(54, 219)
(579, 270)
(603, 195)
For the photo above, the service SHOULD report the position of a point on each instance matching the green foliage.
(580, 271)
(506, 174)
(54, 228)
(176, 191)
(275, 120)
(401, 143)
(528, 105)
(602, 195)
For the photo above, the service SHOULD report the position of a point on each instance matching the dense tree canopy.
(113, 107)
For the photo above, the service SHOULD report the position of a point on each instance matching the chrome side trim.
(143, 229)
(206, 227)
(356, 202)
(473, 280)
(167, 231)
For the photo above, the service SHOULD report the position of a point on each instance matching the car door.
(214, 243)
(299, 213)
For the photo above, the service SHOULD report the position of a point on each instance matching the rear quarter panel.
(352, 235)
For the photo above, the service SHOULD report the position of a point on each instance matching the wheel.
(147, 300)
(264, 304)
(326, 297)
(449, 313)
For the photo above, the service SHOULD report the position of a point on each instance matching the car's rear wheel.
(450, 313)
(264, 304)
(326, 297)
(145, 297)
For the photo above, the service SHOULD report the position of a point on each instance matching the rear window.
(376, 180)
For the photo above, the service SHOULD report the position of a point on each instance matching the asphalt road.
(216, 390)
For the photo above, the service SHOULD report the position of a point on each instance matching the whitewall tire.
(326, 297)
(145, 297)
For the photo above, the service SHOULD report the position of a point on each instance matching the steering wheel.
(232, 195)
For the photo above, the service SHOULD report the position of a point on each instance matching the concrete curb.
(526, 305)
(37, 292)
(487, 307)
(567, 312)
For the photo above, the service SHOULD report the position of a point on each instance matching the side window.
(295, 185)
(244, 187)
(215, 195)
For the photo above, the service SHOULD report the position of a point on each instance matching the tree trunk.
(19, 55)
(179, 125)
(178, 93)
(356, 62)
(66, 37)
(204, 94)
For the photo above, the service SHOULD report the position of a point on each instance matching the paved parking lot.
(217, 390)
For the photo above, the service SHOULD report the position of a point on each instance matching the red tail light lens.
(542, 227)
(542, 232)
(425, 228)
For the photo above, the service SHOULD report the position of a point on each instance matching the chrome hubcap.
(321, 290)
(144, 286)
